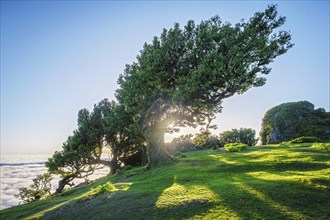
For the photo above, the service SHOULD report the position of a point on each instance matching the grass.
(267, 182)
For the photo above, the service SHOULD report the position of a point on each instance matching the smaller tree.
(69, 165)
(39, 189)
(123, 139)
(204, 140)
(243, 135)
(107, 126)
(212, 142)
(181, 144)
(200, 139)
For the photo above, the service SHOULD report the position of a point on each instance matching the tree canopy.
(182, 76)
(292, 120)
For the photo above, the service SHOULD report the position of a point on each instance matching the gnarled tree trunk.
(154, 128)
(156, 150)
(114, 162)
(63, 182)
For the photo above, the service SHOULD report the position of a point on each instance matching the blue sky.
(58, 57)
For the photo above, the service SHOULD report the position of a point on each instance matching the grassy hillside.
(268, 182)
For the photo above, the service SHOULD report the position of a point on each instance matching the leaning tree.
(108, 127)
(181, 77)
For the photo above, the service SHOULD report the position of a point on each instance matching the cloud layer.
(18, 172)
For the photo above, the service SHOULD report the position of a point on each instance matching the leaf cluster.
(243, 135)
(235, 147)
(39, 189)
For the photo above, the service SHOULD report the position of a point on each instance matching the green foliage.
(107, 126)
(243, 135)
(182, 76)
(292, 120)
(183, 156)
(180, 155)
(305, 140)
(39, 189)
(107, 187)
(212, 142)
(322, 146)
(235, 147)
(200, 139)
(181, 144)
(205, 140)
(123, 138)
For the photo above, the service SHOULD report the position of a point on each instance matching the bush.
(235, 147)
(183, 156)
(205, 140)
(305, 140)
(179, 154)
(322, 146)
(212, 142)
(40, 189)
(107, 187)
(200, 139)
(181, 144)
(243, 135)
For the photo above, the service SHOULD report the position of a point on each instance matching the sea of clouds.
(17, 171)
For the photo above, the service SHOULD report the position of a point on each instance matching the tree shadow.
(230, 186)
(278, 198)
(139, 201)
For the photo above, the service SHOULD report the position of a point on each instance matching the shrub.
(235, 147)
(212, 142)
(243, 135)
(39, 189)
(183, 156)
(205, 140)
(181, 144)
(107, 187)
(322, 146)
(305, 139)
(200, 139)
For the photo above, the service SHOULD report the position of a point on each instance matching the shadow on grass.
(138, 202)
(229, 184)
(256, 198)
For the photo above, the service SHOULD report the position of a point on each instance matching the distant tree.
(182, 77)
(243, 135)
(39, 189)
(212, 142)
(200, 139)
(292, 120)
(182, 143)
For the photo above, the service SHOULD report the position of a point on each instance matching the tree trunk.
(156, 150)
(114, 162)
(62, 183)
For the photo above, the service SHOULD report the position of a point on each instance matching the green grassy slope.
(269, 182)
